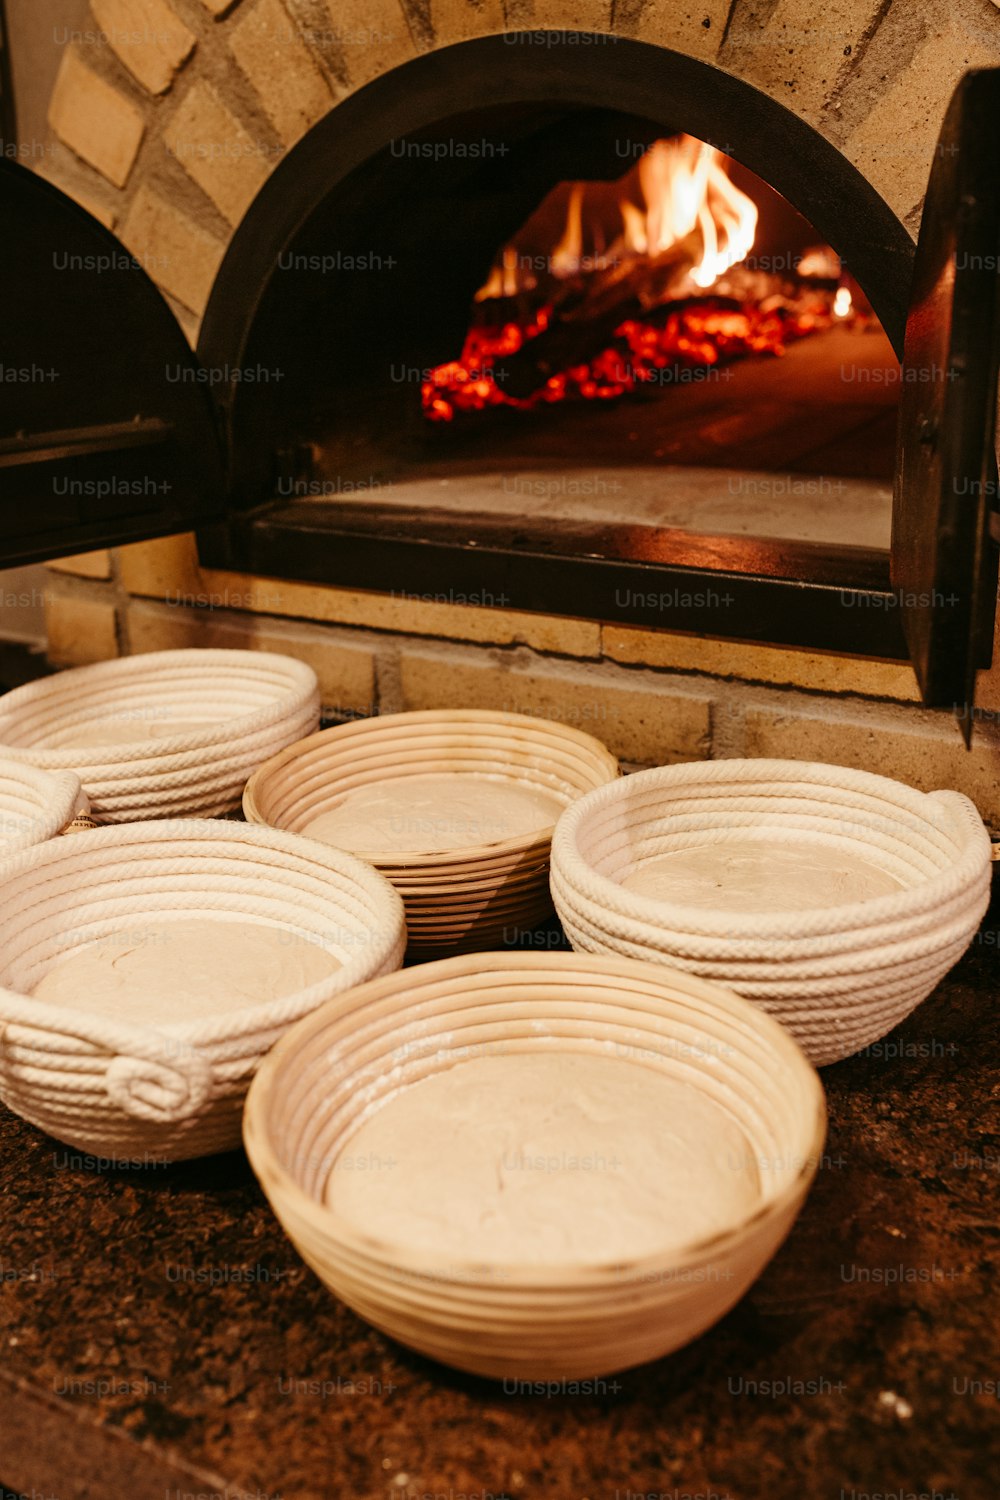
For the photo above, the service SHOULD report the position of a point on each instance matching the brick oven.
(248, 160)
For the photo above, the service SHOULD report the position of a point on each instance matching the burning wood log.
(590, 308)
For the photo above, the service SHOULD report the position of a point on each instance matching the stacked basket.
(838, 975)
(470, 896)
(164, 734)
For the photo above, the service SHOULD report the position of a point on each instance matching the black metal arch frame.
(746, 123)
(797, 599)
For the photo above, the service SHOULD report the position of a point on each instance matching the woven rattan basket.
(120, 1088)
(35, 805)
(196, 723)
(838, 975)
(462, 898)
(500, 1319)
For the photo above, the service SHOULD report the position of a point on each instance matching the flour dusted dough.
(761, 875)
(183, 970)
(429, 814)
(541, 1158)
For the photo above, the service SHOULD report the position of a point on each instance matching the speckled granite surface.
(160, 1338)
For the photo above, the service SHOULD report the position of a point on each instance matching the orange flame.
(685, 186)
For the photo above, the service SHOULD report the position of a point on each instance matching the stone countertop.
(161, 1339)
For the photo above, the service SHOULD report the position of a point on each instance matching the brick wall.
(166, 117)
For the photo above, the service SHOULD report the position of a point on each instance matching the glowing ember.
(597, 323)
(691, 339)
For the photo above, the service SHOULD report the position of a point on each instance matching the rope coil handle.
(150, 1075)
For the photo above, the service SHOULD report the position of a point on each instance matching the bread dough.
(172, 972)
(544, 1157)
(761, 875)
(429, 814)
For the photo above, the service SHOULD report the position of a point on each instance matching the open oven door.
(944, 523)
(107, 430)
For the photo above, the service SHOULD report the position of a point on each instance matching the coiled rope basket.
(164, 734)
(839, 976)
(35, 805)
(499, 1317)
(117, 1087)
(470, 895)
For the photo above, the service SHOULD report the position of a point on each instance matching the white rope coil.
(118, 1086)
(838, 976)
(35, 805)
(233, 710)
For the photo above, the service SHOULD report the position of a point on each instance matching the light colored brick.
(97, 122)
(268, 47)
(638, 718)
(171, 565)
(680, 26)
(216, 152)
(559, 15)
(371, 36)
(894, 145)
(84, 564)
(917, 747)
(149, 37)
(455, 20)
(800, 53)
(344, 665)
(181, 257)
(755, 663)
(79, 629)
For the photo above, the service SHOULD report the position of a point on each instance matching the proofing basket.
(121, 1089)
(840, 976)
(244, 705)
(457, 899)
(499, 1319)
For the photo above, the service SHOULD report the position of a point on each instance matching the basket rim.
(204, 1032)
(372, 727)
(279, 1184)
(596, 893)
(301, 685)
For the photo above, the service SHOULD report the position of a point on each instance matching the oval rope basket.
(495, 1317)
(35, 805)
(120, 1087)
(231, 710)
(464, 896)
(839, 975)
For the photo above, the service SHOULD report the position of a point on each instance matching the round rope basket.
(496, 1317)
(838, 973)
(35, 805)
(462, 897)
(164, 734)
(120, 1087)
